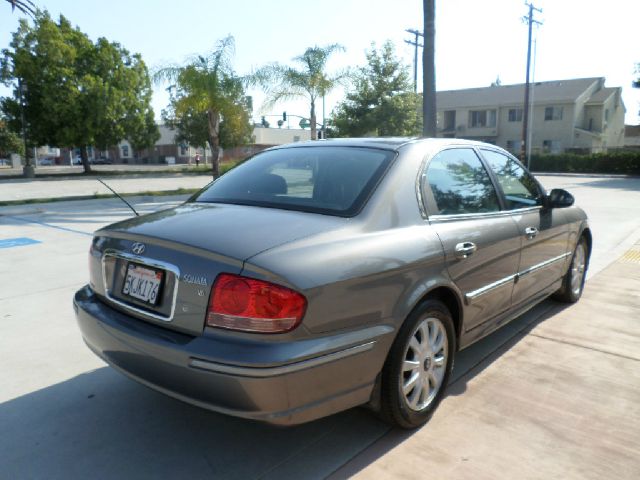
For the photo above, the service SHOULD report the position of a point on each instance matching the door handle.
(465, 249)
(531, 232)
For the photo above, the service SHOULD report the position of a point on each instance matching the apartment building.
(576, 114)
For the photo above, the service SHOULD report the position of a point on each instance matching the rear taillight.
(241, 303)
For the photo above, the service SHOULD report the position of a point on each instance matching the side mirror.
(559, 198)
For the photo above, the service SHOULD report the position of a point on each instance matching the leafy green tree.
(310, 80)
(381, 102)
(192, 127)
(76, 92)
(207, 88)
(10, 142)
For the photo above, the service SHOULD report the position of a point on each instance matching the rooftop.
(553, 91)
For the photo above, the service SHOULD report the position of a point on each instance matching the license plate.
(142, 283)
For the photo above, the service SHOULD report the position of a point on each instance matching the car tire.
(573, 281)
(417, 369)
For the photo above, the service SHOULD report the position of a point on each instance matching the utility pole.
(27, 170)
(415, 44)
(525, 114)
(429, 108)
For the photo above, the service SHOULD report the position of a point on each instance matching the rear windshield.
(330, 180)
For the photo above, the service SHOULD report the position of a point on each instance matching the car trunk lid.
(184, 249)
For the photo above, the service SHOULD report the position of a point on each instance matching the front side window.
(125, 151)
(459, 184)
(519, 187)
(329, 180)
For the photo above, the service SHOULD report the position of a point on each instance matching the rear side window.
(519, 187)
(459, 184)
(331, 180)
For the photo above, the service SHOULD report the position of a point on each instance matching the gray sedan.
(319, 276)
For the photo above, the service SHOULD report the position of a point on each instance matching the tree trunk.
(213, 118)
(85, 159)
(429, 70)
(312, 120)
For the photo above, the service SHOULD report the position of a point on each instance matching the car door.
(544, 232)
(481, 242)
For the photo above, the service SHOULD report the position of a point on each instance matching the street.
(64, 414)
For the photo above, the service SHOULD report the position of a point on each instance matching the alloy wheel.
(578, 269)
(424, 364)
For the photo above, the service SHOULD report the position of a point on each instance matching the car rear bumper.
(238, 376)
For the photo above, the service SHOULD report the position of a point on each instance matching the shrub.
(625, 163)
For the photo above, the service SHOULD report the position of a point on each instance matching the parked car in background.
(46, 162)
(320, 276)
(101, 161)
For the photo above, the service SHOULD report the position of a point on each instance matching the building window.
(482, 118)
(449, 120)
(551, 146)
(125, 151)
(183, 150)
(553, 113)
(513, 146)
(606, 115)
(515, 114)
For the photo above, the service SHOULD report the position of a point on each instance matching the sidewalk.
(22, 189)
(561, 400)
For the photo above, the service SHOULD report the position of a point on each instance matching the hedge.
(622, 163)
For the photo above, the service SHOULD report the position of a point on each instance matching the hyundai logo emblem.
(138, 248)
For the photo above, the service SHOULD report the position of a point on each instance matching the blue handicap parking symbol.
(17, 242)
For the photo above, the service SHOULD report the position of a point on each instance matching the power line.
(525, 114)
(415, 43)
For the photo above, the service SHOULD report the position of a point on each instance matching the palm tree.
(25, 6)
(429, 70)
(311, 80)
(207, 85)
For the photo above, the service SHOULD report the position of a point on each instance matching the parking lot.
(554, 394)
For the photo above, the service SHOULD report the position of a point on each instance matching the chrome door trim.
(473, 216)
(143, 261)
(281, 370)
(542, 265)
(473, 295)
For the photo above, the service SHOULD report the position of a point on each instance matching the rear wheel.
(573, 281)
(418, 367)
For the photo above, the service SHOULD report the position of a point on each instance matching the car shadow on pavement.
(101, 425)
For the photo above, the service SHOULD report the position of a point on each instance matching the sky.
(476, 40)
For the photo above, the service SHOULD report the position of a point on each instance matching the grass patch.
(153, 171)
(96, 196)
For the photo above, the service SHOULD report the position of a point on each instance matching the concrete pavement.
(561, 399)
(554, 394)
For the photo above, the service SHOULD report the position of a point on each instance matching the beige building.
(578, 114)
(632, 136)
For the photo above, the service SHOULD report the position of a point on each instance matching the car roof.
(386, 143)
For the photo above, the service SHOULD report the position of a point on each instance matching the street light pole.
(27, 170)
